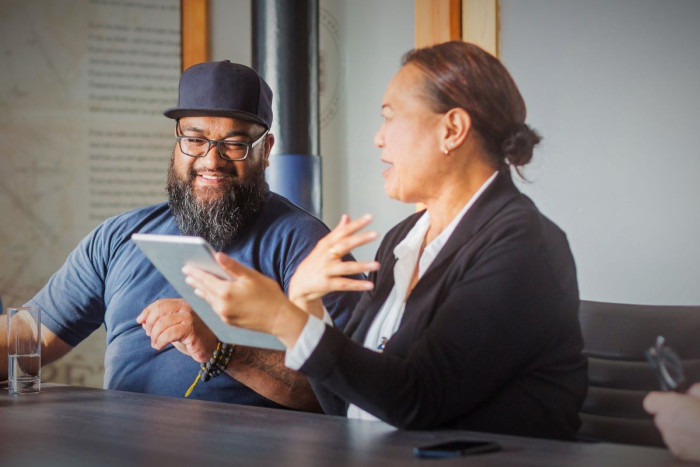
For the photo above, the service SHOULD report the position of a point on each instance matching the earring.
(445, 151)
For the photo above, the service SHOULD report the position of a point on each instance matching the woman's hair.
(459, 74)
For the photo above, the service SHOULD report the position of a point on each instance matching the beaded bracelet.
(215, 366)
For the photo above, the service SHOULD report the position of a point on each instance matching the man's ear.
(269, 143)
(457, 124)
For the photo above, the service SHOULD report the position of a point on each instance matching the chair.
(615, 339)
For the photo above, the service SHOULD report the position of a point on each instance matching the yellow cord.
(196, 380)
(189, 391)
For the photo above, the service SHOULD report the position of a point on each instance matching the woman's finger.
(344, 246)
(343, 230)
(348, 268)
(344, 219)
(350, 285)
(200, 279)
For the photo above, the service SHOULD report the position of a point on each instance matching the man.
(217, 190)
(677, 416)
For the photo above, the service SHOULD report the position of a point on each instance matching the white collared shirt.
(388, 319)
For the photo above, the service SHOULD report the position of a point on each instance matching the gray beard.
(218, 221)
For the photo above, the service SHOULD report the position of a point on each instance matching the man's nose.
(212, 158)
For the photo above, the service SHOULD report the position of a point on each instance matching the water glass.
(24, 349)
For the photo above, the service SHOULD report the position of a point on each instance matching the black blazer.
(490, 338)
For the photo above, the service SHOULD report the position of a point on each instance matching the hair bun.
(518, 145)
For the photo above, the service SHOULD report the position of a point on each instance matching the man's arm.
(52, 347)
(172, 321)
(264, 372)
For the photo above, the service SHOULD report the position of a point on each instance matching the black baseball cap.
(223, 89)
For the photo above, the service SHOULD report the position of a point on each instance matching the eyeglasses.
(667, 365)
(228, 150)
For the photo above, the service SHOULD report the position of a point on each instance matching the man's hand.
(172, 321)
(677, 416)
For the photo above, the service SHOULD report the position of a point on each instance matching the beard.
(218, 220)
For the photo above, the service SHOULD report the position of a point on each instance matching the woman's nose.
(379, 138)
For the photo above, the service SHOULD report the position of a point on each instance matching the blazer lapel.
(367, 308)
(492, 200)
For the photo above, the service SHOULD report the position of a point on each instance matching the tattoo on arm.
(264, 372)
(268, 361)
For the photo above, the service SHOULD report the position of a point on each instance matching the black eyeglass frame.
(664, 360)
(217, 142)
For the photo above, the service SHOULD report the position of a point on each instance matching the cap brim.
(177, 113)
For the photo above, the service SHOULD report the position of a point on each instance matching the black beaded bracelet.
(215, 366)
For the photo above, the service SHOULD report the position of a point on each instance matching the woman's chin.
(390, 190)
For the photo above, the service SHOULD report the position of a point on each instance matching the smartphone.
(456, 448)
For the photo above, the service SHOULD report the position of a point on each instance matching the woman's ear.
(457, 125)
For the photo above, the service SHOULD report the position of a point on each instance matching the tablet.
(169, 253)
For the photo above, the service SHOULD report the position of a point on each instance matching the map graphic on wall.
(82, 90)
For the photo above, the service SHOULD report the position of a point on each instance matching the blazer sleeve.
(498, 314)
(331, 403)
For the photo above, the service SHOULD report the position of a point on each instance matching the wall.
(612, 86)
(82, 90)
(361, 45)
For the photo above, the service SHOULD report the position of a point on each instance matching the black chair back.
(615, 339)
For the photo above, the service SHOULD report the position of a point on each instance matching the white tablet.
(169, 253)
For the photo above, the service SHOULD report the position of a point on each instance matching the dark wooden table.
(75, 426)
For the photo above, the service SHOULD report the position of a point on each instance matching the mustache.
(192, 172)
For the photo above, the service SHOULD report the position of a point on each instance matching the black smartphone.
(456, 448)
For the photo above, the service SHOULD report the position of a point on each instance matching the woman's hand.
(323, 270)
(248, 300)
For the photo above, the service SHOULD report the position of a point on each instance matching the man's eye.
(194, 141)
(234, 145)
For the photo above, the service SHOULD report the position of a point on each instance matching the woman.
(471, 321)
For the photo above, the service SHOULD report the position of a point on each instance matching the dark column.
(285, 53)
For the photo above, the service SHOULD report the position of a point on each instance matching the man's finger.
(653, 401)
(160, 326)
(694, 390)
(141, 318)
(175, 333)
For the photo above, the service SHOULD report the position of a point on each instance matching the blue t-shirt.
(107, 279)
